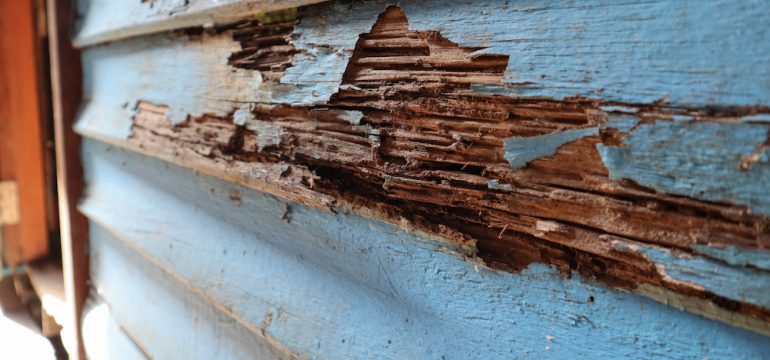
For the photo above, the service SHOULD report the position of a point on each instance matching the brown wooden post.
(21, 139)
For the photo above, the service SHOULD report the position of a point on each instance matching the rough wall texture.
(346, 107)
(522, 180)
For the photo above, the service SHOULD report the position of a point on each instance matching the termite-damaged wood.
(266, 43)
(405, 138)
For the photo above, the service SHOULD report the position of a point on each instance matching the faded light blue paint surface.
(689, 52)
(657, 50)
(737, 256)
(190, 76)
(325, 37)
(696, 159)
(343, 286)
(743, 284)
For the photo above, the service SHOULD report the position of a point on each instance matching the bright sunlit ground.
(20, 337)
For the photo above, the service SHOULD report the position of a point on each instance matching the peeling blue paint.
(243, 114)
(742, 284)
(189, 76)
(342, 286)
(619, 108)
(687, 52)
(578, 55)
(267, 133)
(102, 21)
(696, 159)
(325, 37)
(521, 150)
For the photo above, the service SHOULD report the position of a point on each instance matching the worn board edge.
(173, 288)
(66, 92)
(218, 223)
(148, 21)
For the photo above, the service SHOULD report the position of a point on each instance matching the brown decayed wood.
(266, 46)
(428, 151)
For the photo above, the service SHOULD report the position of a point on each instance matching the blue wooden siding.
(189, 271)
(194, 266)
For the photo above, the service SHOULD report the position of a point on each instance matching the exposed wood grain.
(422, 147)
(346, 109)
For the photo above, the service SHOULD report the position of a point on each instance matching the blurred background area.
(23, 332)
(31, 281)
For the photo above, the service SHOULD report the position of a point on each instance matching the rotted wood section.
(664, 200)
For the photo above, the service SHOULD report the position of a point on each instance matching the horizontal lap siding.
(191, 264)
(170, 246)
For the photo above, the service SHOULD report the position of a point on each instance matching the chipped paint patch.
(495, 184)
(243, 114)
(622, 122)
(619, 108)
(427, 143)
(382, 286)
(743, 284)
(696, 159)
(325, 40)
(119, 75)
(521, 150)
(351, 116)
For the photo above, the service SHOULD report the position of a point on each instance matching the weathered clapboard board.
(429, 180)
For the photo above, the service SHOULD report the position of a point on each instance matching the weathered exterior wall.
(357, 180)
